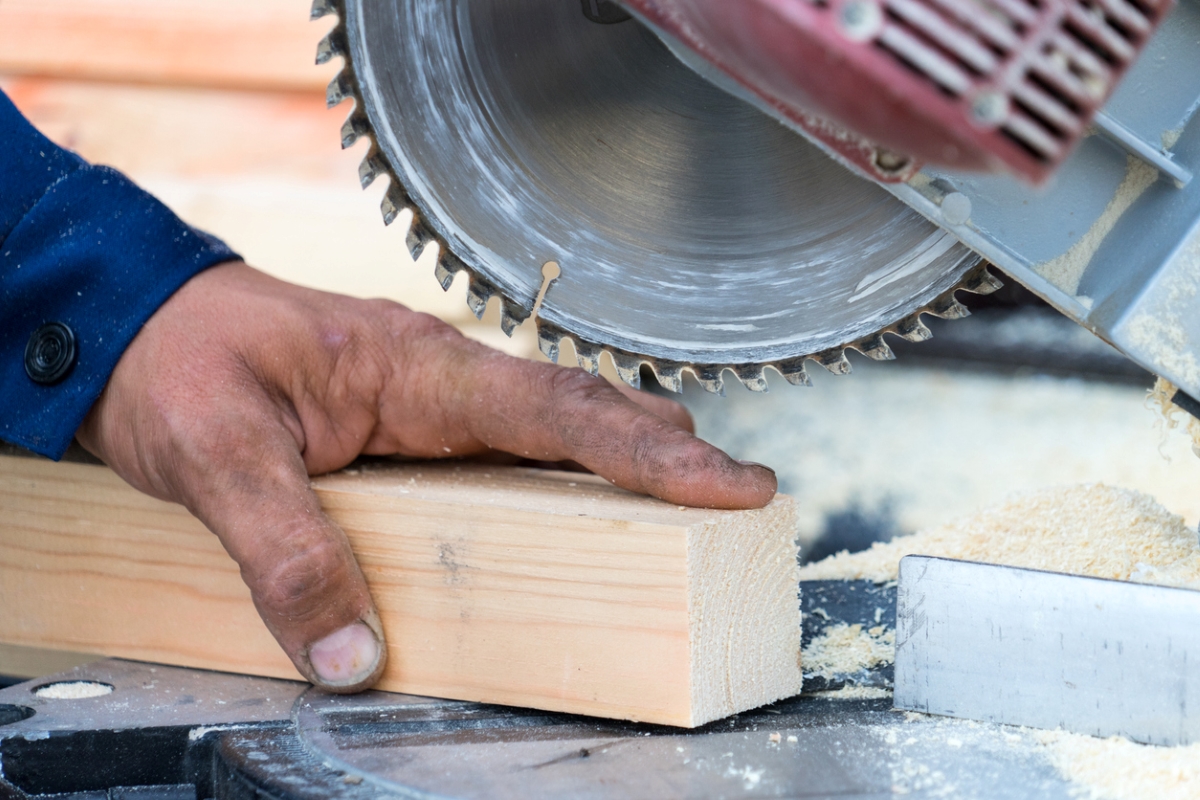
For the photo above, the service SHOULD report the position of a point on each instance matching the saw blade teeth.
(394, 202)
(835, 361)
(588, 356)
(793, 371)
(669, 375)
(321, 8)
(980, 280)
(511, 316)
(975, 277)
(419, 233)
(340, 88)
(875, 348)
(354, 128)
(331, 46)
(629, 368)
(948, 307)
(479, 292)
(752, 376)
(371, 167)
(711, 377)
(549, 338)
(912, 329)
(446, 267)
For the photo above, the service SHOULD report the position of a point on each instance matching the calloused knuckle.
(573, 388)
(397, 321)
(299, 586)
(390, 316)
(427, 327)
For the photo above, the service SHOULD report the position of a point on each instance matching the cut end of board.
(522, 587)
(743, 582)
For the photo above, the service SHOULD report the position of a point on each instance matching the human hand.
(242, 386)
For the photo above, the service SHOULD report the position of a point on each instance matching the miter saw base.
(170, 733)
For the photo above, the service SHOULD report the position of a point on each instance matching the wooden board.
(503, 585)
(233, 43)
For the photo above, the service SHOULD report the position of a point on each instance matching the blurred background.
(216, 107)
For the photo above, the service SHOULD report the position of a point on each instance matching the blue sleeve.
(86, 257)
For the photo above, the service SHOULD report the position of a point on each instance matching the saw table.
(160, 732)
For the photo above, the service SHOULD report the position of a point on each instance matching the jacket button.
(50, 354)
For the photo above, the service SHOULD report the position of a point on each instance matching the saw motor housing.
(983, 85)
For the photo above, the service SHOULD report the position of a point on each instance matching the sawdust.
(1066, 270)
(73, 690)
(1091, 529)
(1158, 398)
(1118, 769)
(1171, 137)
(1159, 333)
(850, 692)
(846, 649)
(905, 449)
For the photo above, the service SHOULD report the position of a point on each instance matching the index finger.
(550, 413)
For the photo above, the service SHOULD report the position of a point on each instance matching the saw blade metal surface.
(691, 230)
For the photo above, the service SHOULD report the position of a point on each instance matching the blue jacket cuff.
(98, 256)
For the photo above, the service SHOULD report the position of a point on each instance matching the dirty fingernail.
(345, 657)
(755, 464)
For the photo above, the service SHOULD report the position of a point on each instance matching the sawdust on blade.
(1067, 270)
(1091, 529)
(846, 649)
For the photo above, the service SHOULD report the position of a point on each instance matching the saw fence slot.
(503, 585)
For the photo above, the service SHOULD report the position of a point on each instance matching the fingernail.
(755, 464)
(345, 657)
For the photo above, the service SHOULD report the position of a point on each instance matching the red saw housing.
(991, 85)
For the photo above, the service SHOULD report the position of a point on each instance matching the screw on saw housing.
(605, 12)
(707, 365)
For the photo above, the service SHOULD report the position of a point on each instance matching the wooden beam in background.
(502, 585)
(261, 44)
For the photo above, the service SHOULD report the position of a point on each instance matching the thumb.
(306, 584)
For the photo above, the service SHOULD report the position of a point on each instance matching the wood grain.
(504, 585)
(232, 43)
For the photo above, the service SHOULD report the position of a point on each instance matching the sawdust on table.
(73, 690)
(851, 692)
(1090, 529)
(1118, 769)
(846, 649)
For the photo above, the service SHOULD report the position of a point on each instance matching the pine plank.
(503, 585)
(231, 43)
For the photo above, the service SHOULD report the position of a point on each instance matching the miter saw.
(735, 186)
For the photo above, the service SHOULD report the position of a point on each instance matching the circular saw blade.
(691, 230)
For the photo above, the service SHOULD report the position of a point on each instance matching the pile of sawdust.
(852, 692)
(1090, 529)
(73, 690)
(1118, 769)
(846, 649)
